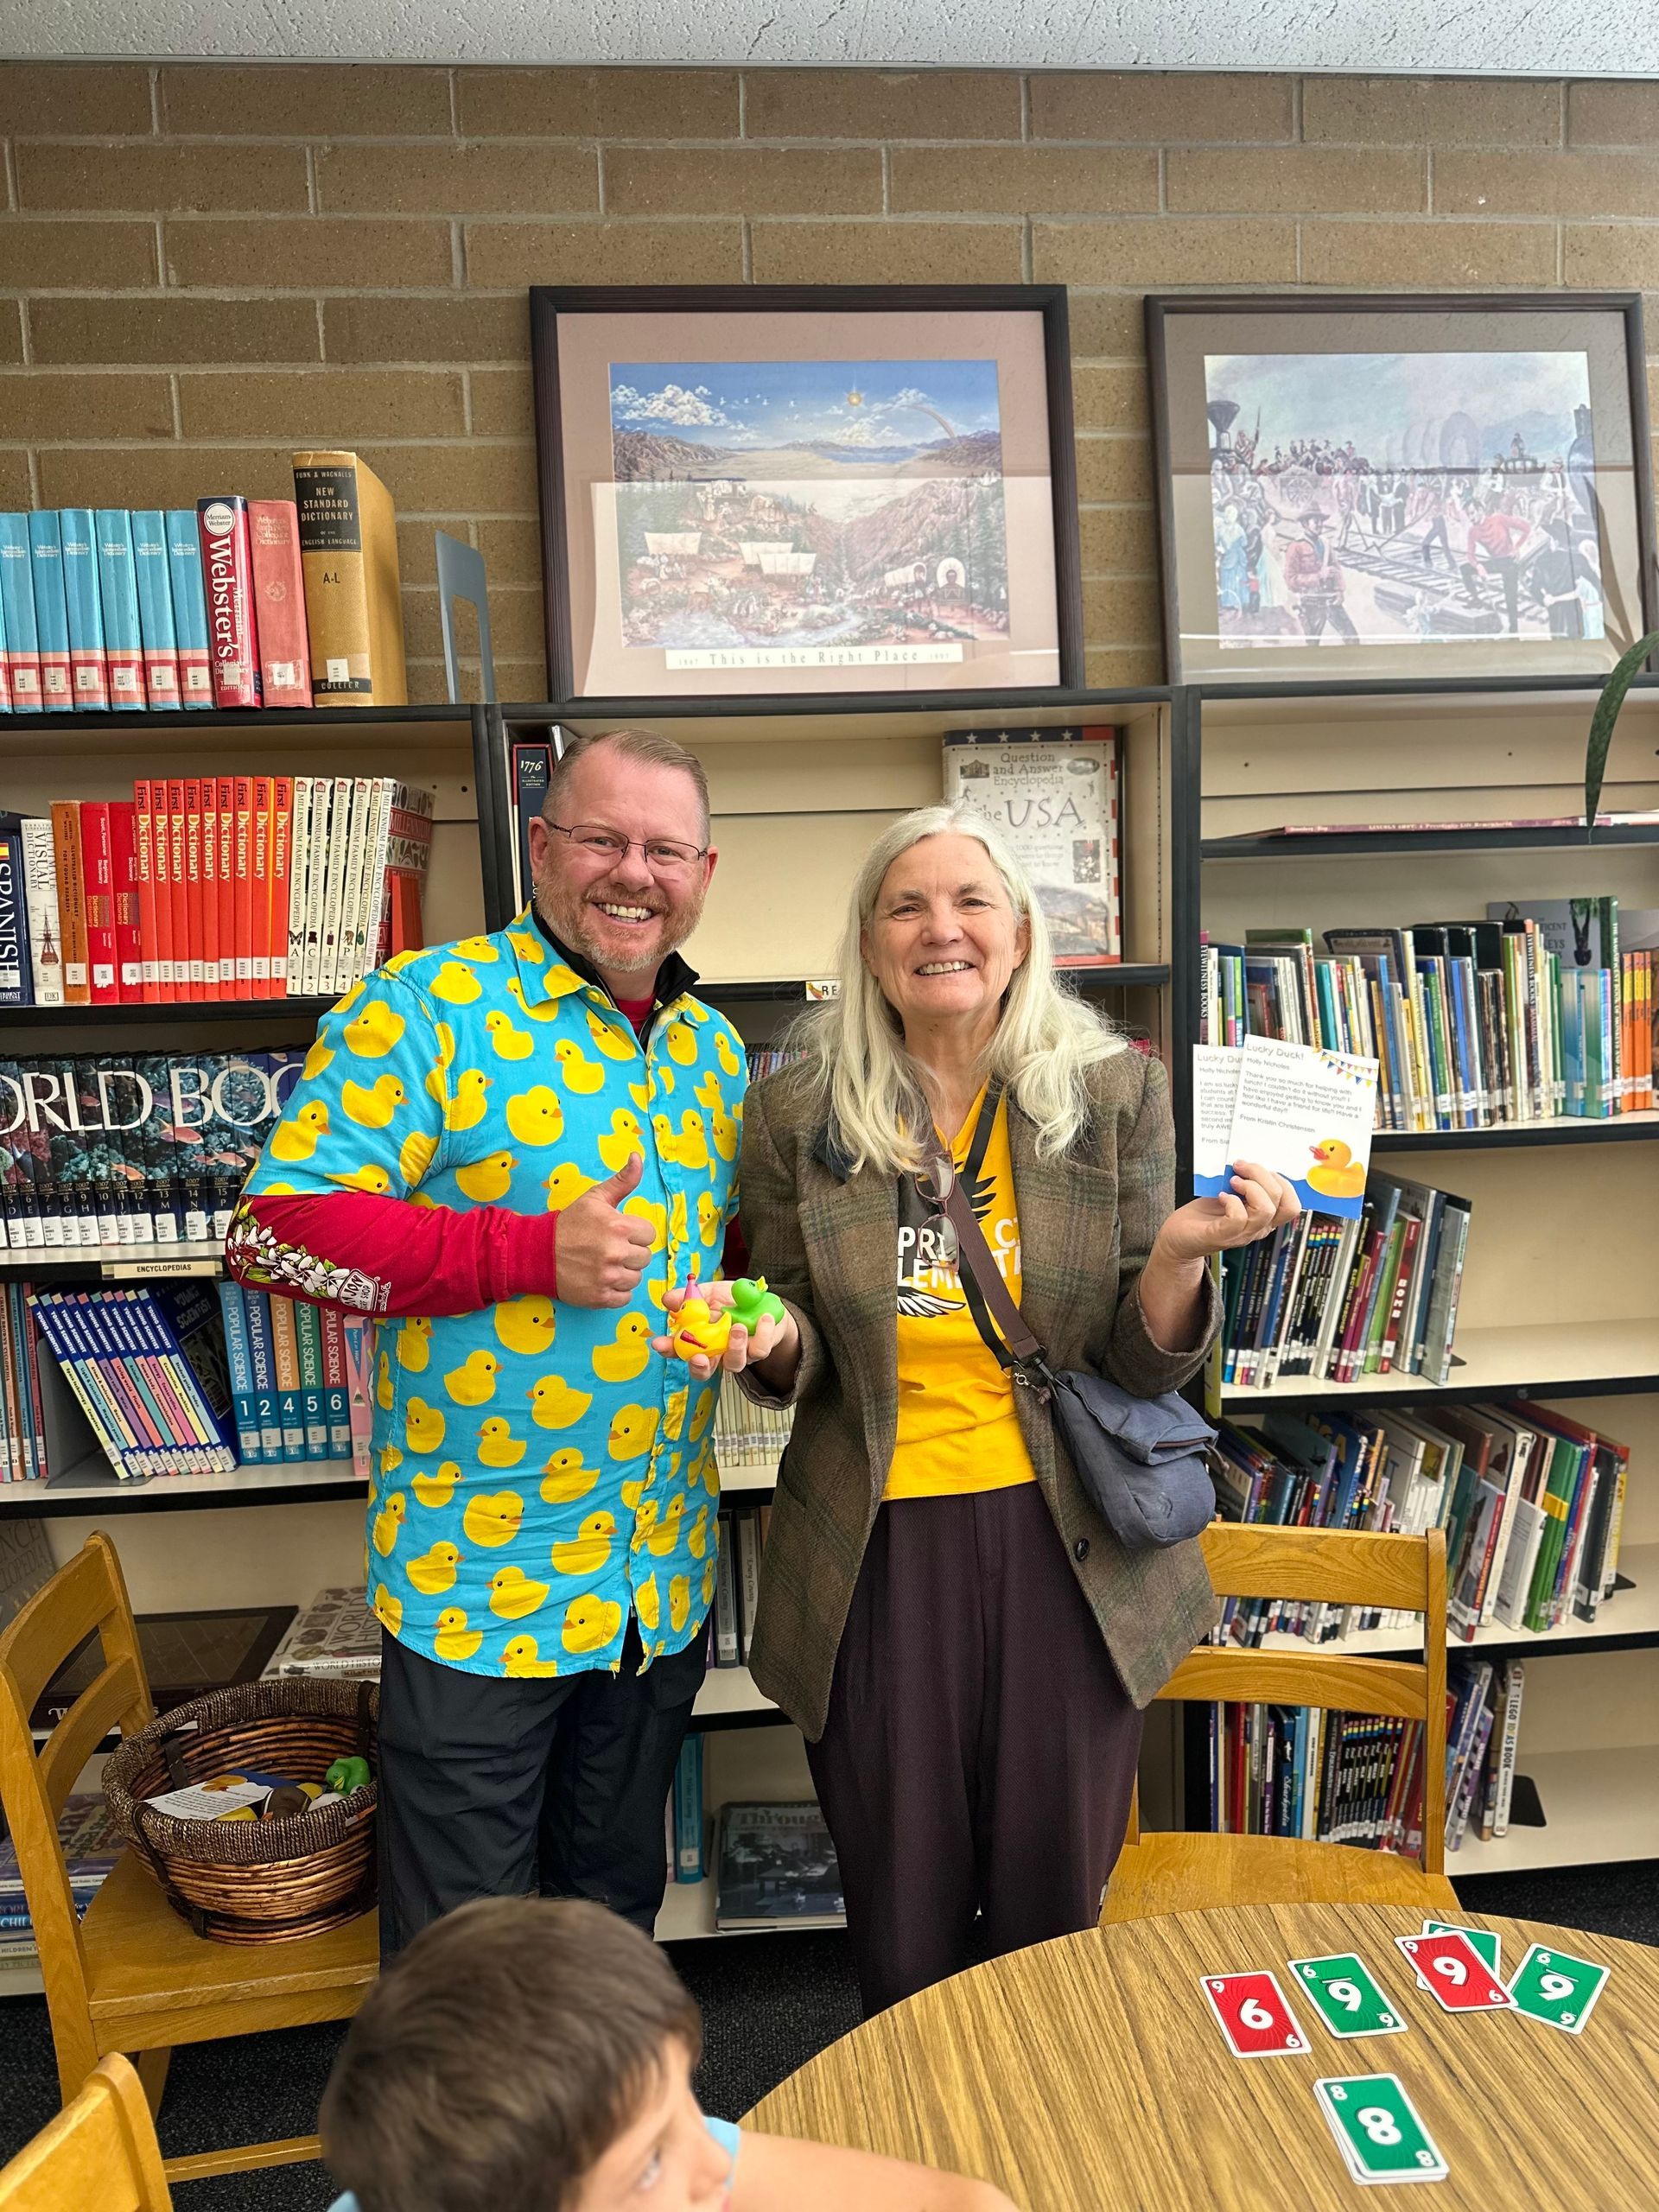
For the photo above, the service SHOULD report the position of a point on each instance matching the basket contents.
(253, 1796)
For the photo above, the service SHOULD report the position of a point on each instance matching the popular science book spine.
(227, 574)
(250, 1444)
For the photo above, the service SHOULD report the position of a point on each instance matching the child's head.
(523, 2054)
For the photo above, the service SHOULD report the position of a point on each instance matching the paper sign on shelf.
(1215, 1091)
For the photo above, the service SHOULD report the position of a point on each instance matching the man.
(1313, 579)
(508, 1148)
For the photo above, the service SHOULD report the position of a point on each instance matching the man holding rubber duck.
(559, 1155)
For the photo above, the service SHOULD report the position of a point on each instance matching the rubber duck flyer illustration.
(1306, 1113)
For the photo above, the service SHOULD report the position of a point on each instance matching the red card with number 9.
(1454, 1973)
(1253, 2015)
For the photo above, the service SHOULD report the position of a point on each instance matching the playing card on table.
(1346, 1997)
(1556, 1989)
(1484, 1942)
(1253, 2015)
(1378, 2129)
(1455, 1974)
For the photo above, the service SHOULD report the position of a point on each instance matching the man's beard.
(567, 914)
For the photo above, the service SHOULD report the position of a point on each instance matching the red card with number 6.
(1454, 1973)
(1253, 2015)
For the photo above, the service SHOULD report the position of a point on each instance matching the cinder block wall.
(202, 266)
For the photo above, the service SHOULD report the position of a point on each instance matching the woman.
(961, 1640)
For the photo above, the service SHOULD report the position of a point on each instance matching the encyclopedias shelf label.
(227, 575)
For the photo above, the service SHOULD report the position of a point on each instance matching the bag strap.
(1018, 1349)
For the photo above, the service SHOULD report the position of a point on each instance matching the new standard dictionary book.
(354, 602)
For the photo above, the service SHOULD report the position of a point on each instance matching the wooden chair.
(132, 1976)
(99, 2155)
(1195, 1873)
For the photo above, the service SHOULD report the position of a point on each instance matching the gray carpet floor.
(769, 2004)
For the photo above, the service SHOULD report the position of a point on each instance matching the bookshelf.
(1561, 1300)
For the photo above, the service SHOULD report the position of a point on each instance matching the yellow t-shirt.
(957, 1428)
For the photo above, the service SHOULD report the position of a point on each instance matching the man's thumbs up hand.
(600, 1251)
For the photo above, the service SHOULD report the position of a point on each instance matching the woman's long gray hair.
(870, 1086)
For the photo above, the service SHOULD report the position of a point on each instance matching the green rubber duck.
(346, 1775)
(751, 1299)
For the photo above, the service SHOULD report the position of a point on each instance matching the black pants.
(980, 1751)
(505, 1788)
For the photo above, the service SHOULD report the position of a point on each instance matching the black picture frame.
(549, 302)
(1632, 602)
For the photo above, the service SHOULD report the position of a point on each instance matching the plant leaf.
(1601, 725)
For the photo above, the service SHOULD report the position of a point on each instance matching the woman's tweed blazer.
(827, 1241)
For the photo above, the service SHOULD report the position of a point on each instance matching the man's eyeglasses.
(664, 855)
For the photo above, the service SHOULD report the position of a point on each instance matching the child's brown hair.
(495, 2062)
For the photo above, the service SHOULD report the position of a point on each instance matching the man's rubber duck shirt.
(539, 1471)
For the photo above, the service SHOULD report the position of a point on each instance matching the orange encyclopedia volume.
(143, 860)
(178, 897)
(194, 935)
(282, 840)
(225, 799)
(244, 887)
(259, 868)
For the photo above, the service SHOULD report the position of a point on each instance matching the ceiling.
(1424, 37)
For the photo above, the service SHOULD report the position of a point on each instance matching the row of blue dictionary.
(102, 607)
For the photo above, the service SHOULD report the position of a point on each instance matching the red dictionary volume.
(123, 869)
(211, 974)
(244, 887)
(279, 600)
(259, 868)
(281, 836)
(143, 860)
(97, 879)
(178, 898)
(226, 800)
(227, 573)
(161, 865)
(200, 987)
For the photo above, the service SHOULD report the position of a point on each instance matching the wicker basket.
(256, 1881)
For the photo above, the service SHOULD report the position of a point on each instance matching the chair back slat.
(101, 1706)
(1321, 1563)
(99, 2155)
(59, 1616)
(1387, 1685)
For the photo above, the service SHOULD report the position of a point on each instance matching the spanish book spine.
(336, 1383)
(22, 643)
(40, 898)
(227, 573)
(158, 638)
(117, 592)
(281, 838)
(279, 595)
(189, 595)
(51, 610)
(348, 552)
(88, 669)
(241, 1366)
(16, 979)
(71, 901)
(308, 1335)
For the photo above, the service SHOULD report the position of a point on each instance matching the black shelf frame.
(178, 720)
(1619, 1128)
(1442, 1393)
(64, 1498)
(152, 1013)
(1353, 845)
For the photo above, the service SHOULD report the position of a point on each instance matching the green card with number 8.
(1376, 2126)
(1556, 1989)
(1348, 2000)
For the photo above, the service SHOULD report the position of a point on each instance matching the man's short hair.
(648, 744)
(497, 2060)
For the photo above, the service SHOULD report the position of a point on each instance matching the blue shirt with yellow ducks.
(540, 1471)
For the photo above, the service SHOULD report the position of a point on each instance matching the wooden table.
(1090, 2076)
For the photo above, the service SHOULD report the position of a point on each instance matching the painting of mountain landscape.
(834, 504)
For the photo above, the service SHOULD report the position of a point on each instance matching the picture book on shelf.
(1053, 796)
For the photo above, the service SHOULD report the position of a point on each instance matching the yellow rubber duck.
(1338, 1175)
(454, 1640)
(526, 1325)
(564, 1480)
(693, 1145)
(626, 1357)
(387, 1521)
(434, 1571)
(615, 1042)
(374, 1106)
(590, 1624)
(388, 1610)
(297, 1140)
(663, 1538)
(317, 1059)
(437, 1488)
(681, 1042)
(565, 1185)
(487, 1179)
(696, 1330)
(589, 1550)
(415, 1345)
(708, 1092)
(424, 1427)
(467, 1109)
(555, 1404)
(726, 1055)
(370, 1179)
(679, 1602)
(647, 1602)
(632, 1430)
(626, 1137)
(578, 1073)
(374, 1032)
(455, 983)
(385, 1390)
(510, 1044)
(534, 1117)
(696, 1542)
(521, 1658)
(416, 1155)
(726, 1132)
(473, 1383)
(475, 948)
(497, 1444)
(527, 945)
(709, 1217)
(513, 1596)
(647, 1210)
(493, 1517)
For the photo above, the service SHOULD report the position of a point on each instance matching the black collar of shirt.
(674, 978)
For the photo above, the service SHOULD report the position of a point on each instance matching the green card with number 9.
(1556, 1989)
(1346, 1997)
(1377, 2128)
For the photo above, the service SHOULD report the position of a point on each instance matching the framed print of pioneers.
(1401, 487)
(781, 488)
